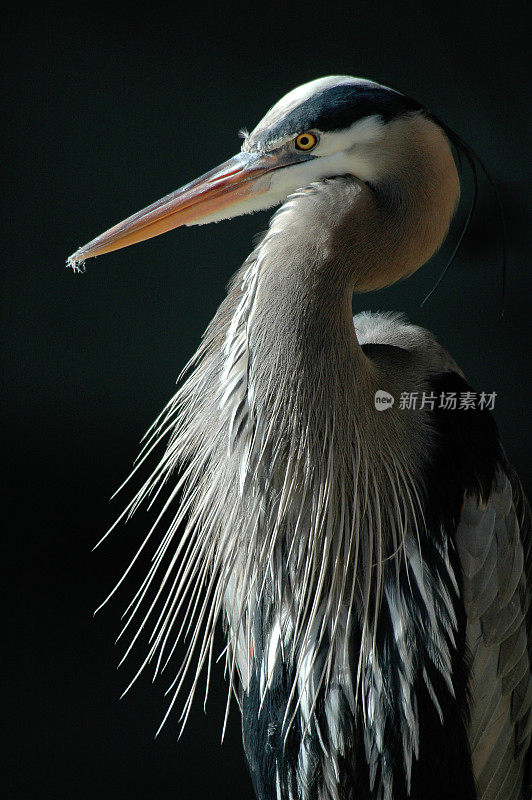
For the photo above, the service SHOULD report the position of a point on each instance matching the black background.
(106, 110)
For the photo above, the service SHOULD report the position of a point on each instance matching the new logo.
(383, 400)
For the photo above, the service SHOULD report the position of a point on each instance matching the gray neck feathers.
(331, 476)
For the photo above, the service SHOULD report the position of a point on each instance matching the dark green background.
(106, 110)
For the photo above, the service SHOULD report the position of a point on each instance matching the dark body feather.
(465, 462)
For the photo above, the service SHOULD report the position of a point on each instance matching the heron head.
(338, 125)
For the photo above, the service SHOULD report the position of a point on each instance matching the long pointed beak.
(232, 182)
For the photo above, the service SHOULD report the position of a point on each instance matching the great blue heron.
(370, 556)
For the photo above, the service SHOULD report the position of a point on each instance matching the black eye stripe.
(337, 108)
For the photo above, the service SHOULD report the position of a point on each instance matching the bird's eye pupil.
(306, 141)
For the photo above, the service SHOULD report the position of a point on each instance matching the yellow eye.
(306, 141)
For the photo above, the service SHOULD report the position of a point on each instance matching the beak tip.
(75, 262)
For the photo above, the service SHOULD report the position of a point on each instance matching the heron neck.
(300, 329)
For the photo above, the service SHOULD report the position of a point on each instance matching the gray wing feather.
(494, 549)
(494, 543)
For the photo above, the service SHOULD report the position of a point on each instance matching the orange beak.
(233, 182)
